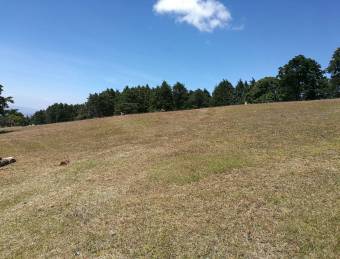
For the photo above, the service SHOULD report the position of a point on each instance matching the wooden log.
(6, 161)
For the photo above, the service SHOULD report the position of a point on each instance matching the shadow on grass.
(5, 131)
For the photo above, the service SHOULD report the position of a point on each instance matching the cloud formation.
(205, 15)
(238, 27)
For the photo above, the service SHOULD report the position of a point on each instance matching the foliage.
(13, 118)
(180, 96)
(241, 92)
(223, 94)
(60, 112)
(162, 98)
(102, 104)
(334, 70)
(39, 118)
(266, 90)
(133, 100)
(80, 111)
(4, 101)
(302, 79)
(199, 99)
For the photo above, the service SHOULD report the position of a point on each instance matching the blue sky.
(60, 51)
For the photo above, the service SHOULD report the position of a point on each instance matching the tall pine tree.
(241, 91)
(223, 94)
(180, 96)
(162, 98)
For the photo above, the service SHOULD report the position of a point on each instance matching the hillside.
(239, 181)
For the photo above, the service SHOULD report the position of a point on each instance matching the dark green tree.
(180, 96)
(207, 98)
(60, 112)
(134, 100)
(241, 91)
(223, 94)
(107, 102)
(80, 111)
(143, 94)
(162, 98)
(266, 90)
(302, 79)
(39, 118)
(127, 101)
(334, 70)
(250, 87)
(199, 99)
(4, 101)
(102, 104)
(93, 106)
(13, 118)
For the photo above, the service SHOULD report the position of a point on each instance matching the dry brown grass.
(245, 181)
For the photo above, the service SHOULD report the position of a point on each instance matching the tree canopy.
(199, 99)
(102, 104)
(302, 79)
(13, 118)
(133, 100)
(162, 98)
(180, 96)
(266, 90)
(223, 94)
(334, 70)
(4, 102)
(241, 91)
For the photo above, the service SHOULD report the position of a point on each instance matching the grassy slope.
(243, 181)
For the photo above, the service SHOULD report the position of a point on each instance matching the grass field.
(242, 181)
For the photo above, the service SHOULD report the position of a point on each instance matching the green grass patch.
(188, 168)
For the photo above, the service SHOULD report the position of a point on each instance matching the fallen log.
(7, 161)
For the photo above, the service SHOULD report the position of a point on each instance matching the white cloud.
(205, 15)
(238, 27)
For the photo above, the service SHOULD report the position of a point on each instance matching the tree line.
(300, 79)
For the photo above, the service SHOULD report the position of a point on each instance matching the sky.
(60, 51)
